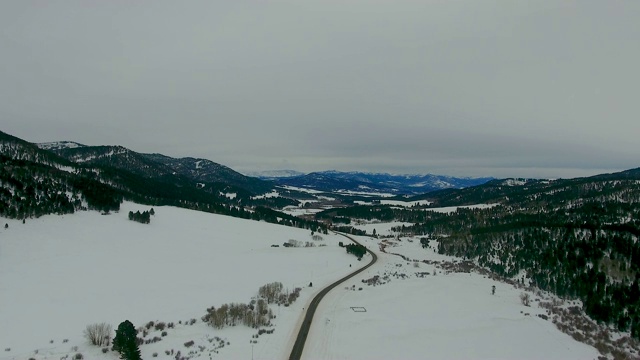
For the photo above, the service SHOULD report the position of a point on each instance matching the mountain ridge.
(407, 184)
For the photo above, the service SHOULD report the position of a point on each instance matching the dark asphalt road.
(298, 347)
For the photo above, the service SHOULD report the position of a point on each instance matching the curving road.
(296, 352)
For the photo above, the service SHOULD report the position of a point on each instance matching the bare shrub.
(293, 243)
(255, 314)
(160, 326)
(525, 299)
(98, 334)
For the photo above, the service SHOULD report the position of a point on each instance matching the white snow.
(364, 193)
(448, 316)
(267, 195)
(300, 211)
(59, 145)
(381, 228)
(229, 195)
(68, 169)
(310, 191)
(514, 182)
(61, 273)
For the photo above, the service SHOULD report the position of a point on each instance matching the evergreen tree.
(125, 341)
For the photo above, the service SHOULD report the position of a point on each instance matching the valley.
(515, 259)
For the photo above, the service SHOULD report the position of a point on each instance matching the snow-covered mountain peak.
(59, 145)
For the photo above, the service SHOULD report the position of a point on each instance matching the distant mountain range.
(376, 183)
(205, 171)
(274, 174)
(157, 178)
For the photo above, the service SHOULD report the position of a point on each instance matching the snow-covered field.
(61, 273)
(447, 316)
(300, 211)
(382, 229)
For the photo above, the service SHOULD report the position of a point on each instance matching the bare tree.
(525, 299)
(270, 292)
(98, 334)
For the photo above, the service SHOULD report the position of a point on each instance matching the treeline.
(356, 249)
(271, 202)
(349, 230)
(29, 189)
(588, 251)
(141, 217)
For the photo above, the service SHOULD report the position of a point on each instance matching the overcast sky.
(468, 88)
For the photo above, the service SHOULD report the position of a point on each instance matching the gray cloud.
(467, 88)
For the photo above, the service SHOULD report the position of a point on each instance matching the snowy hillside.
(60, 273)
(59, 145)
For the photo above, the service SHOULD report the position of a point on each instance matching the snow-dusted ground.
(447, 316)
(384, 228)
(300, 211)
(61, 273)
(310, 191)
(381, 229)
